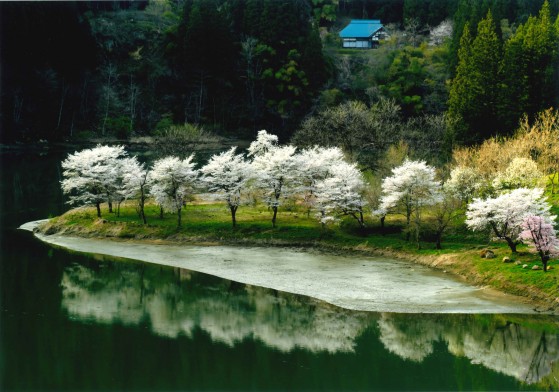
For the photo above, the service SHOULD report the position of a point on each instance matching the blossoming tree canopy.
(264, 142)
(541, 235)
(464, 183)
(275, 173)
(227, 175)
(313, 165)
(136, 183)
(341, 193)
(173, 181)
(412, 185)
(90, 175)
(521, 172)
(504, 214)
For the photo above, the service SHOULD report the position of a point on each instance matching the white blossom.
(274, 174)
(264, 142)
(90, 176)
(520, 173)
(341, 193)
(441, 32)
(464, 183)
(505, 214)
(411, 186)
(135, 183)
(226, 175)
(173, 181)
(313, 165)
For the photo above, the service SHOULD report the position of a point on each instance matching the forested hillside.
(454, 71)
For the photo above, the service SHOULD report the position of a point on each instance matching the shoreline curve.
(356, 282)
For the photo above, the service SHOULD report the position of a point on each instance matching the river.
(86, 321)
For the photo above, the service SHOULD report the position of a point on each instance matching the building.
(365, 34)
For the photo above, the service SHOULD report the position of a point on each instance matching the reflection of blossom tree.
(407, 339)
(158, 299)
(175, 302)
(523, 353)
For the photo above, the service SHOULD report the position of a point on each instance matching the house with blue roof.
(362, 33)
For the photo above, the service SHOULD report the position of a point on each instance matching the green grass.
(212, 223)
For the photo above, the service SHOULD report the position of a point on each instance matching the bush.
(119, 126)
(181, 140)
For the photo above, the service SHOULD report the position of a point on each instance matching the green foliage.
(531, 58)
(406, 80)
(330, 97)
(165, 122)
(181, 140)
(473, 93)
(118, 126)
(324, 11)
(491, 92)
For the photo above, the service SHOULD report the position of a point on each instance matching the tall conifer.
(474, 91)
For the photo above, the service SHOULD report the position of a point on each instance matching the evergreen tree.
(529, 69)
(463, 91)
(474, 91)
(406, 80)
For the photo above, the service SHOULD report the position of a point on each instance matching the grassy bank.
(211, 223)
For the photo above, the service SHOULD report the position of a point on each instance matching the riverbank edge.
(448, 263)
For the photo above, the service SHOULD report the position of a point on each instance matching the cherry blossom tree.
(90, 176)
(341, 193)
(173, 181)
(440, 33)
(264, 142)
(464, 183)
(411, 187)
(541, 235)
(274, 174)
(520, 173)
(314, 165)
(226, 175)
(135, 183)
(504, 214)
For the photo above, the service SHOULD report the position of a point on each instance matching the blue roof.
(361, 28)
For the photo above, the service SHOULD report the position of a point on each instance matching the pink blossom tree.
(541, 235)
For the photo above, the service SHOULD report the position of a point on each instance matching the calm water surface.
(86, 322)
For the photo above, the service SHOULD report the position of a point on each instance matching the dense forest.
(451, 71)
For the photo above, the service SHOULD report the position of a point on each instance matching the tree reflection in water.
(175, 302)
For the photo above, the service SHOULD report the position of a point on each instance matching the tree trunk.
(110, 206)
(141, 206)
(233, 215)
(275, 209)
(160, 212)
(511, 244)
(361, 220)
(179, 217)
(545, 259)
(61, 106)
(438, 240)
(98, 205)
